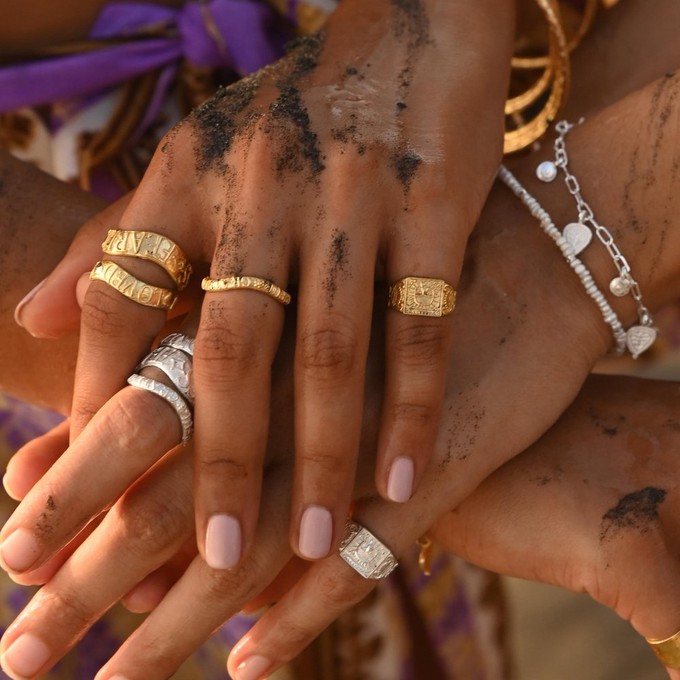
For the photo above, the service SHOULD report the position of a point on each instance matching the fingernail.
(253, 668)
(25, 656)
(8, 489)
(223, 542)
(316, 532)
(18, 311)
(400, 480)
(20, 550)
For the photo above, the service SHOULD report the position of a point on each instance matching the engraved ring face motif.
(418, 296)
(367, 555)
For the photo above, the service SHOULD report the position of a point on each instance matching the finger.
(286, 579)
(418, 349)
(33, 460)
(147, 594)
(125, 438)
(236, 343)
(51, 310)
(140, 533)
(333, 331)
(163, 642)
(329, 588)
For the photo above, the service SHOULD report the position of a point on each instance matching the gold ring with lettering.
(248, 283)
(134, 289)
(667, 650)
(156, 248)
(417, 296)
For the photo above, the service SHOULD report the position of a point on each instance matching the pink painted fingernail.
(223, 542)
(253, 668)
(316, 532)
(400, 480)
(20, 550)
(25, 656)
(18, 311)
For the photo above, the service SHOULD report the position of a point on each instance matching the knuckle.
(339, 591)
(237, 585)
(225, 350)
(327, 465)
(128, 423)
(101, 315)
(213, 462)
(328, 354)
(421, 344)
(67, 610)
(419, 415)
(150, 526)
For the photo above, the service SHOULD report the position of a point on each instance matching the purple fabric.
(250, 37)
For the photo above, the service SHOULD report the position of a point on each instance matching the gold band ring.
(134, 289)
(668, 650)
(156, 248)
(247, 283)
(417, 296)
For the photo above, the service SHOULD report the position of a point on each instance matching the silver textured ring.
(177, 365)
(169, 395)
(366, 554)
(179, 341)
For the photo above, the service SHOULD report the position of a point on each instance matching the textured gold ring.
(668, 650)
(417, 296)
(246, 283)
(147, 245)
(138, 291)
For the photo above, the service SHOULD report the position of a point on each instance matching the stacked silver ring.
(174, 357)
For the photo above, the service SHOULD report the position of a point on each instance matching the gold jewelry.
(417, 296)
(425, 554)
(667, 650)
(156, 248)
(248, 283)
(134, 289)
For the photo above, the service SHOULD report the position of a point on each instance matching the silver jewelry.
(548, 226)
(166, 393)
(368, 556)
(179, 341)
(177, 365)
(640, 337)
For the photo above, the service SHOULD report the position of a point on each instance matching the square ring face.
(423, 297)
(368, 556)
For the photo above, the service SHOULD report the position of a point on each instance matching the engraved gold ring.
(246, 283)
(667, 650)
(418, 296)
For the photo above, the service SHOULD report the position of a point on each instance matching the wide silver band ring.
(177, 365)
(169, 395)
(179, 341)
(365, 553)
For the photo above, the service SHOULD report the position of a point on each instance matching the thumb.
(51, 309)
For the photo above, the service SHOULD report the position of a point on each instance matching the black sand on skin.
(636, 510)
(411, 19)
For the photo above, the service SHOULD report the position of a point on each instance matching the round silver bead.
(619, 286)
(546, 171)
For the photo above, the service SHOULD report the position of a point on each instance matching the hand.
(277, 179)
(592, 507)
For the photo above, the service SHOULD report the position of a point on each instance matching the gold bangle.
(148, 245)
(131, 287)
(248, 283)
(667, 650)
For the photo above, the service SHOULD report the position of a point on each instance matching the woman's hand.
(370, 147)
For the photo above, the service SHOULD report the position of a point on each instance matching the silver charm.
(620, 286)
(546, 171)
(578, 235)
(639, 339)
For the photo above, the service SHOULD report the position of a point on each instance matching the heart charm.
(639, 339)
(578, 235)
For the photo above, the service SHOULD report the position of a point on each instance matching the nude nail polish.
(253, 668)
(24, 301)
(25, 656)
(223, 542)
(20, 550)
(400, 480)
(316, 532)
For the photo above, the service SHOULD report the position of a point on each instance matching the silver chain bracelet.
(640, 337)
